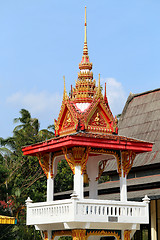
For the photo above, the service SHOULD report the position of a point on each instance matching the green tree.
(64, 178)
(22, 175)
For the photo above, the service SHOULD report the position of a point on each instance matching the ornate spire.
(85, 87)
(85, 48)
(85, 64)
(65, 96)
(85, 109)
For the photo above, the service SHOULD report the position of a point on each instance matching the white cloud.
(46, 106)
(115, 94)
(43, 105)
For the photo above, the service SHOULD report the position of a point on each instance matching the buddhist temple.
(86, 135)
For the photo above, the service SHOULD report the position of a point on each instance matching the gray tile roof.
(141, 183)
(140, 119)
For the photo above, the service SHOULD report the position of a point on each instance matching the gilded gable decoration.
(85, 108)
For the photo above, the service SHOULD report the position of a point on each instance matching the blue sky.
(42, 40)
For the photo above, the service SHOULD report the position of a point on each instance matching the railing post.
(28, 202)
(74, 197)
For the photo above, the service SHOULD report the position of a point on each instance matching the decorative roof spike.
(85, 48)
(71, 90)
(105, 95)
(65, 96)
(105, 92)
(85, 63)
(99, 93)
(99, 79)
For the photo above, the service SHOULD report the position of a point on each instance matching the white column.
(93, 185)
(92, 170)
(50, 188)
(50, 182)
(123, 188)
(78, 182)
(153, 220)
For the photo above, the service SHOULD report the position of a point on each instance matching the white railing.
(113, 211)
(87, 210)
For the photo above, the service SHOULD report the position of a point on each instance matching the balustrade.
(87, 211)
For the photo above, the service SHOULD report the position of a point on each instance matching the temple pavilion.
(86, 135)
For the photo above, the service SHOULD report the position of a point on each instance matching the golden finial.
(85, 27)
(85, 48)
(65, 96)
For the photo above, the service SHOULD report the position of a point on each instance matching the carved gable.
(101, 119)
(68, 121)
(97, 119)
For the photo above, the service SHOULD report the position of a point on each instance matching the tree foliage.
(21, 176)
(64, 178)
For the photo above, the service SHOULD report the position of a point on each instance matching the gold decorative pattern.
(45, 235)
(82, 234)
(70, 160)
(104, 233)
(7, 220)
(68, 121)
(98, 121)
(85, 91)
(127, 161)
(61, 233)
(44, 163)
(79, 234)
(77, 156)
(127, 235)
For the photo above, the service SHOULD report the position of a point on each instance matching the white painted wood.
(93, 186)
(78, 182)
(50, 182)
(92, 171)
(103, 214)
(50, 188)
(123, 188)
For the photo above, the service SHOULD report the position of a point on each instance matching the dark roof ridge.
(130, 98)
(144, 93)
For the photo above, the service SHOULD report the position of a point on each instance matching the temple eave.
(116, 143)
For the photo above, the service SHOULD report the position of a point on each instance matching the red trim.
(54, 145)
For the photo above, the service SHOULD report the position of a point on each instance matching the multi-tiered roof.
(86, 108)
